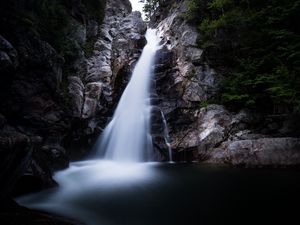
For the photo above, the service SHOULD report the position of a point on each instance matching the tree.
(150, 6)
(257, 42)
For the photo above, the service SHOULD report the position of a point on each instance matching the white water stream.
(122, 190)
(127, 137)
(122, 151)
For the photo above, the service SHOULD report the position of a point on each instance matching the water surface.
(106, 193)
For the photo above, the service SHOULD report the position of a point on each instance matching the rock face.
(95, 88)
(33, 120)
(52, 106)
(182, 78)
(185, 83)
(118, 45)
(261, 152)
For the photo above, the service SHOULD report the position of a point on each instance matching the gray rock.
(76, 89)
(118, 43)
(184, 80)
(207, 128)
(259, 152)
(92, 29)
(160, 134)
(92, 94)
(244, 135)
(35, 96)
(121, 34)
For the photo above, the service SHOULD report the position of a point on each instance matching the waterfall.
(167, 136)
(126, 141)
(127, 136)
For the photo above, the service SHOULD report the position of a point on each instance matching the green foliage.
(258, 42)
(53, 21)
(151, 5)
(50, 20)
(203, 104)
(197, 11)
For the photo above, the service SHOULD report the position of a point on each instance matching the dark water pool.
(175, 194)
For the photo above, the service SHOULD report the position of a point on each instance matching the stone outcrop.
(119, 43)
(262, 152)
(33, 120)
(54, 96)
(183, 79)
(49, 102)
(184, 85)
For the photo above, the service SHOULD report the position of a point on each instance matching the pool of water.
(108, 193)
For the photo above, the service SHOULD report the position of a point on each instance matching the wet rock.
(42, 160)
(121, 38)
(205, 129)
(48, 103)
(183, 80)
(160, 135)
(16, 150)
(260, 152)
(214, 123)
(56, 155)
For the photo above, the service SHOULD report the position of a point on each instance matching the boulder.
(262, 152)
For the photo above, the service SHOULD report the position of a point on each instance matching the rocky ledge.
(185, 83)
(262, 152)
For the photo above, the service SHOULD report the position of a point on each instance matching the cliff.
(63, 67)
(188, 82)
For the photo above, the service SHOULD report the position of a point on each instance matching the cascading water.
(127, 136)
(125, 142)
(167, 136)
(108, 192)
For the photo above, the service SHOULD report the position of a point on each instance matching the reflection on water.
(106, 193)
(83, 184)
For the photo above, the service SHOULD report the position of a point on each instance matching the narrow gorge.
(170, 115)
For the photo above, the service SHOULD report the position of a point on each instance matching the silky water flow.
(122, 150)
(127, 137)
(117, 186)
